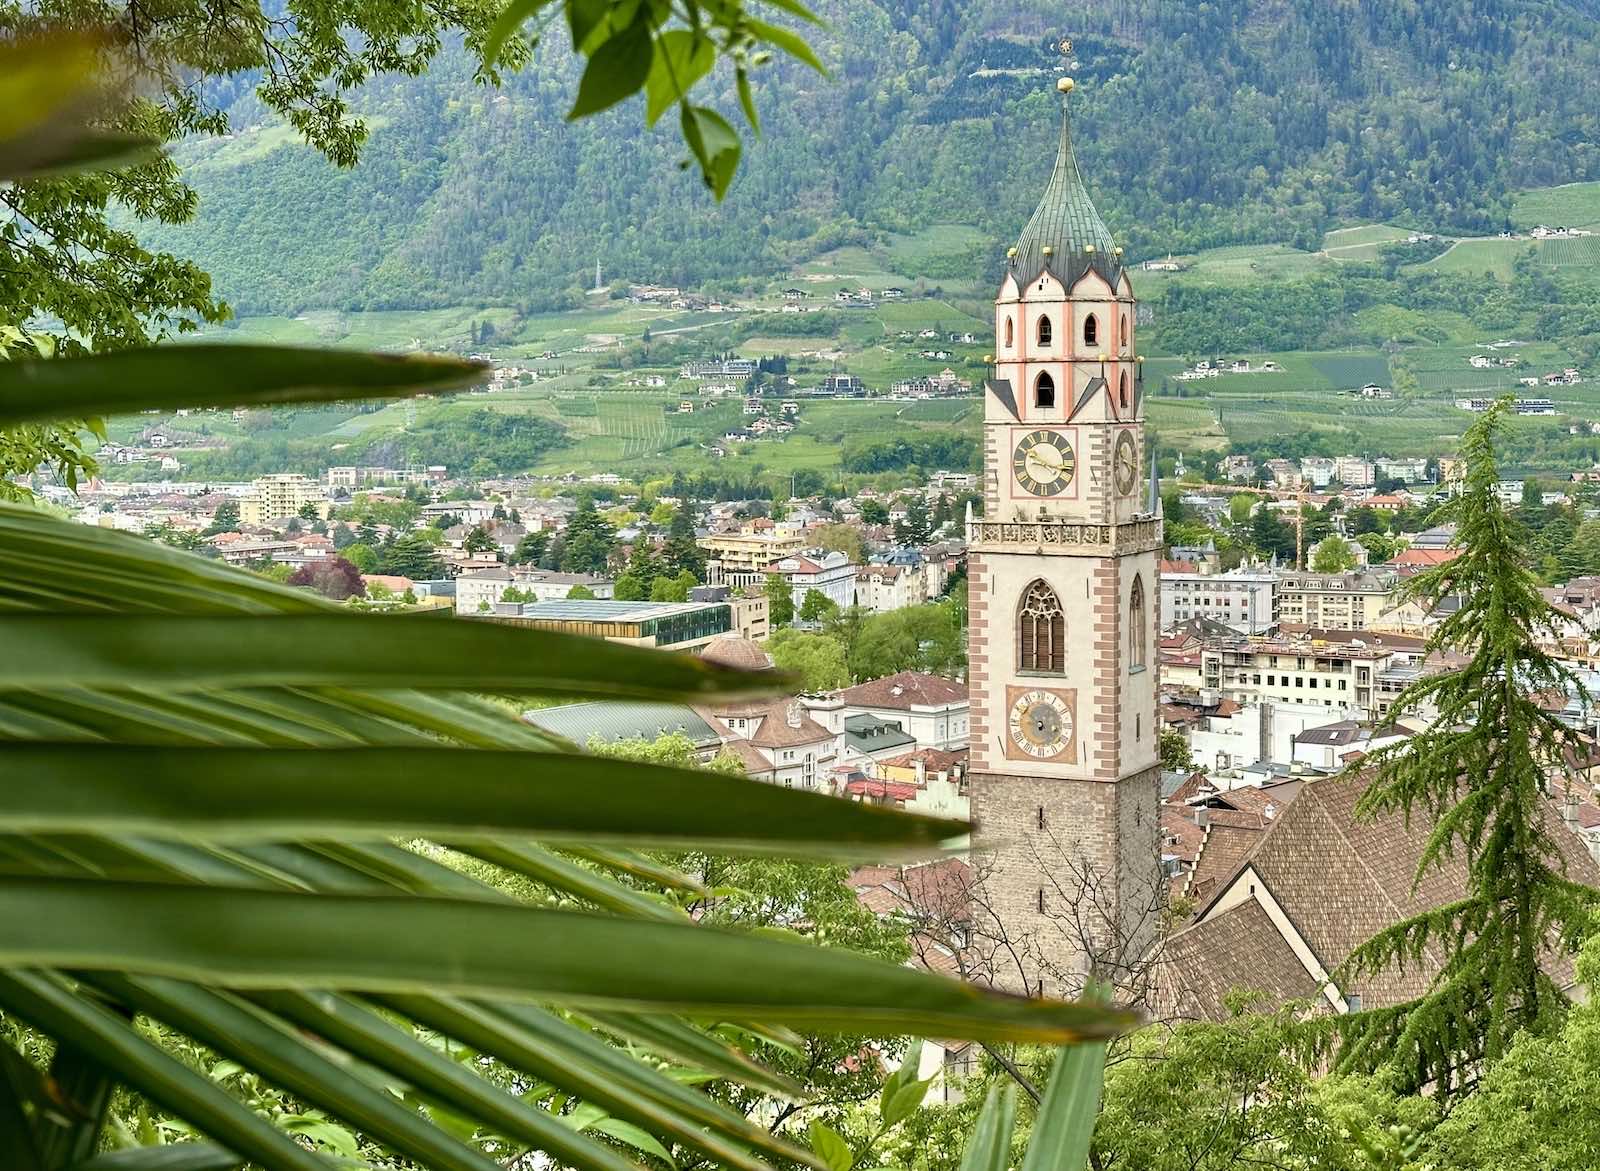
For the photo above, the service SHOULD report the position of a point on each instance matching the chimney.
(1202, 815)
(921, 768)
(1569, 808)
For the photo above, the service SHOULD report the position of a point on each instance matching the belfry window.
(1041, 631)
(1010, 340)
(1137, 626)
(1045, 331)
(1044, 391)
(1091, 330)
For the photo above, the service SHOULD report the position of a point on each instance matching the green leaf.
(89, 150)
(830, 1147)
(633, 1136)
(904, 1102)
(715, 146)
(791, 43)
(747, 101)
(1064, 1127)
(681, 58)
(214, 374)
(42, 1001)
(257, 939)
(586, 18)
(795, 8)
(616, 70)
(506, 26)
(337, 648)
(342, 793)
(16, 1133)
(989, 1146)
(171, 1157)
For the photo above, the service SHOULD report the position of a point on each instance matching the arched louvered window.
(1138, 627)
(1122, 391)
(1041, 631)
(1045, 331)
(1044, 391)
(1091, 330)
(1010, 338)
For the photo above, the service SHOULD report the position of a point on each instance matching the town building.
(932, 710)
(280, 495)
(1243, 599)
(1355, 472)
(677, 626)
(1337, 601)
(881, 588)
(741, 558)
(1299, 671)
(826, 571)
(1062, 594)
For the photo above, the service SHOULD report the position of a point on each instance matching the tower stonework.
(1063, 598)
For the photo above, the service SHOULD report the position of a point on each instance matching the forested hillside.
(1200, 124)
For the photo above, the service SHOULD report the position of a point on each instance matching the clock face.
(1043, 462)
(1041, 723)
(1125, 464)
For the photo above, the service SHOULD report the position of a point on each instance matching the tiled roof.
(1067, 224)
(906, 690)
(732, 650)
(775, 730)
(748, 755)
(933, 759)
(1238, 950)
(1220, 852)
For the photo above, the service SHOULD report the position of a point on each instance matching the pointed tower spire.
(1066, 236)
(1155, 483)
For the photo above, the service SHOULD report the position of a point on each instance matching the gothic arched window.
(1091, 331)
(1044, 391)
(1122, 391)
(1041, 631)
(1138, 628)
(1045, 331)
(1009, 331)
(1124, 330)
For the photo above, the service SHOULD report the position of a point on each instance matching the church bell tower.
(1063, 600)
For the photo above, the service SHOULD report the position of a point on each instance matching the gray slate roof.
(610, 720)
(1065, 222)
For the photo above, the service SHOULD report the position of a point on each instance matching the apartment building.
(279, 495)
(1334, 601)
(1243, 599)
(1304, 671)
(741, 558)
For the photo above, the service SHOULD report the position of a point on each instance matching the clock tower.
(1062, 579)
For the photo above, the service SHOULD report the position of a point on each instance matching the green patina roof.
(1065, 222)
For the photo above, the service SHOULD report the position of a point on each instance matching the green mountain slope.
(1232, 121)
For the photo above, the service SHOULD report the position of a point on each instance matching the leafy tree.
(530, 550)
(363, 557)
(342, 536)
(1174, 750)
(412, 556)
(1271, 535)
(816, 606)
(873, 512)
(308, 511)
(332, 577)
(669, 589)
(479, 541)
(1379, 547)
(842, 538)
(681, 551)
(580, 593)
(1332, 554)
(225, 519)
(915, 528)
(918, 638)
(588, 540)
(817, 659)
(780, 601)
(629, 588)
(1477, 773)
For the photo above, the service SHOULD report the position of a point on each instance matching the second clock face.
(1126, 464)
(1043, 462)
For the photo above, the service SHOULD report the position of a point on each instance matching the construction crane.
(1276, 494)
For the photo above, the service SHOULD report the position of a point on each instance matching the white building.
(1244, 599)
(1354, 472)
(828, 572)
(486, 588)
(931, 709)
(280, 495)
(1318, 470)
(881, 588)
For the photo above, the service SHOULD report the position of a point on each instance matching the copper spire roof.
(1065, 226)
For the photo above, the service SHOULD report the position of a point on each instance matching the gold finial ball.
(988, 359)
(1102, 356)
(1118, 250)
(1088, 247)
(1065, 85)
(1011, 251)
(1047, 250)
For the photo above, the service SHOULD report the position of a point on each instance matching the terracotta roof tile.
(906, 690)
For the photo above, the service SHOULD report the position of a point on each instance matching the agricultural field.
(1583, 252)
(1361, 243)
(1476, 257)
(1572, 205)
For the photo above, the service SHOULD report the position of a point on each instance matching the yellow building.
(282, 494)
(741, 558)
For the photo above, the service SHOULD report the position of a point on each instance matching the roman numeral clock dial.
(1043, 463)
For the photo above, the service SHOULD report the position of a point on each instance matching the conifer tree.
(1481, 775)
